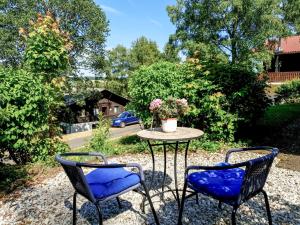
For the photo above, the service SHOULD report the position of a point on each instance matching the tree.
(233, 30)
(47, 48)
(170, 53)
(82, 19)
(144, 52)
(291, 9)
(119, 62)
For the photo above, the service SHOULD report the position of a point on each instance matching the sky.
(131, 19)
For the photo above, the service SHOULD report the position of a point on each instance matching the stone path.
(51, 201)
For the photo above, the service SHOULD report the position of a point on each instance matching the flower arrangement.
(170, 108)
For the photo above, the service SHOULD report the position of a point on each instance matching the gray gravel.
(51, 201)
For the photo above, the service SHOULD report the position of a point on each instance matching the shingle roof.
(290, 44)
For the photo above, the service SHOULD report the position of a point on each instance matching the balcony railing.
(283, 76)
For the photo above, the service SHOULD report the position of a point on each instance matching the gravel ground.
(51, 201)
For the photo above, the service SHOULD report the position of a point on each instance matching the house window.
(116, 109)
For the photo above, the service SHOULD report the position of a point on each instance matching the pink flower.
(182, 102)
(155, 104)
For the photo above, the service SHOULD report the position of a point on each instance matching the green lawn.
(280, 115)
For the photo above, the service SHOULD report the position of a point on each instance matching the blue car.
(125, 118)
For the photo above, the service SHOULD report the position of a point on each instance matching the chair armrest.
(115, 165)
(265, 148)
(96, 154)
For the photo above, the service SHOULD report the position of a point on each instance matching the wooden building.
(81, 112)
(286, 62)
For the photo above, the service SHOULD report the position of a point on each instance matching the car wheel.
(122, 124)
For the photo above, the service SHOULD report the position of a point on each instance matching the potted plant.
(169, 111)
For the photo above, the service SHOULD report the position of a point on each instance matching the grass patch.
(279, 115)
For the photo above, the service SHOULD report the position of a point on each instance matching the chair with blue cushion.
(232, 184)
(106, 181)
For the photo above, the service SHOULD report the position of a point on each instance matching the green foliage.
(84, 20)
(99, 141)
(13, 15)
(228, 29)
(47, 47)
(143, 52)
(289, 92)
(291, 9)
(25, 103)
(119, 62)
(170, 53)
(159, 80)
(188, 81)
(245, 90)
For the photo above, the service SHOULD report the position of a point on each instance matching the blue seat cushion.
(105, 182)
(220, 184)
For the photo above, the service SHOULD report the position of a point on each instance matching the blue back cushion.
(105, 182)
(221, 184)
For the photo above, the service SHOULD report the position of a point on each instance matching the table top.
(181, 134)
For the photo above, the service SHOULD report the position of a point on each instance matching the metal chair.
(232, 184)
(105, 182)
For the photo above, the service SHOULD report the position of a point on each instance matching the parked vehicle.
(125, 118)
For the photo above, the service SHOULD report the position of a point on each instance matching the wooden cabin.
(286, 62)
(81, 112)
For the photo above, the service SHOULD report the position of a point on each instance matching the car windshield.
(122, 115)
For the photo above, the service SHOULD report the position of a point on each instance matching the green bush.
(160, 80)
(289, 92)
(245, 91)
(207, 104)
(99, 141)
(24, 114)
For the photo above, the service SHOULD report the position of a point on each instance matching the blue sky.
(130, 19)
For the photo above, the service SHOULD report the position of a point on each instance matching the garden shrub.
(25, 103)
(99, 141)
(245, 90)
(164, 79)
(289, 92)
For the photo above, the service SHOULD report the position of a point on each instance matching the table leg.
(175, 174)
(185, 155)
(165, 166)
(153, 164)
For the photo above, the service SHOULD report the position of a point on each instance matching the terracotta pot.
(169, 125)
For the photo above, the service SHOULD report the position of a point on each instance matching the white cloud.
(156, 23)
(109, 9)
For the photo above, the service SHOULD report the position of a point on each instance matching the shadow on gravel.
(158, 179)
(251, 213)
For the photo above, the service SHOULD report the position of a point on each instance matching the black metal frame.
(78, 165)
(176, 147)
(245, 193)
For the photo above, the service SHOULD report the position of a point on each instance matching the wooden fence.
(275, 77)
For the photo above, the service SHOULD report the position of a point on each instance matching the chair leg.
(182, 203)
(119, 202)
(99, 214)
(220, 205)
(74, 208)
(150, 203)
(233, 220)
(197, 199)
(267, 207)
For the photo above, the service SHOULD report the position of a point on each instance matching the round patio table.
(182, 136)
